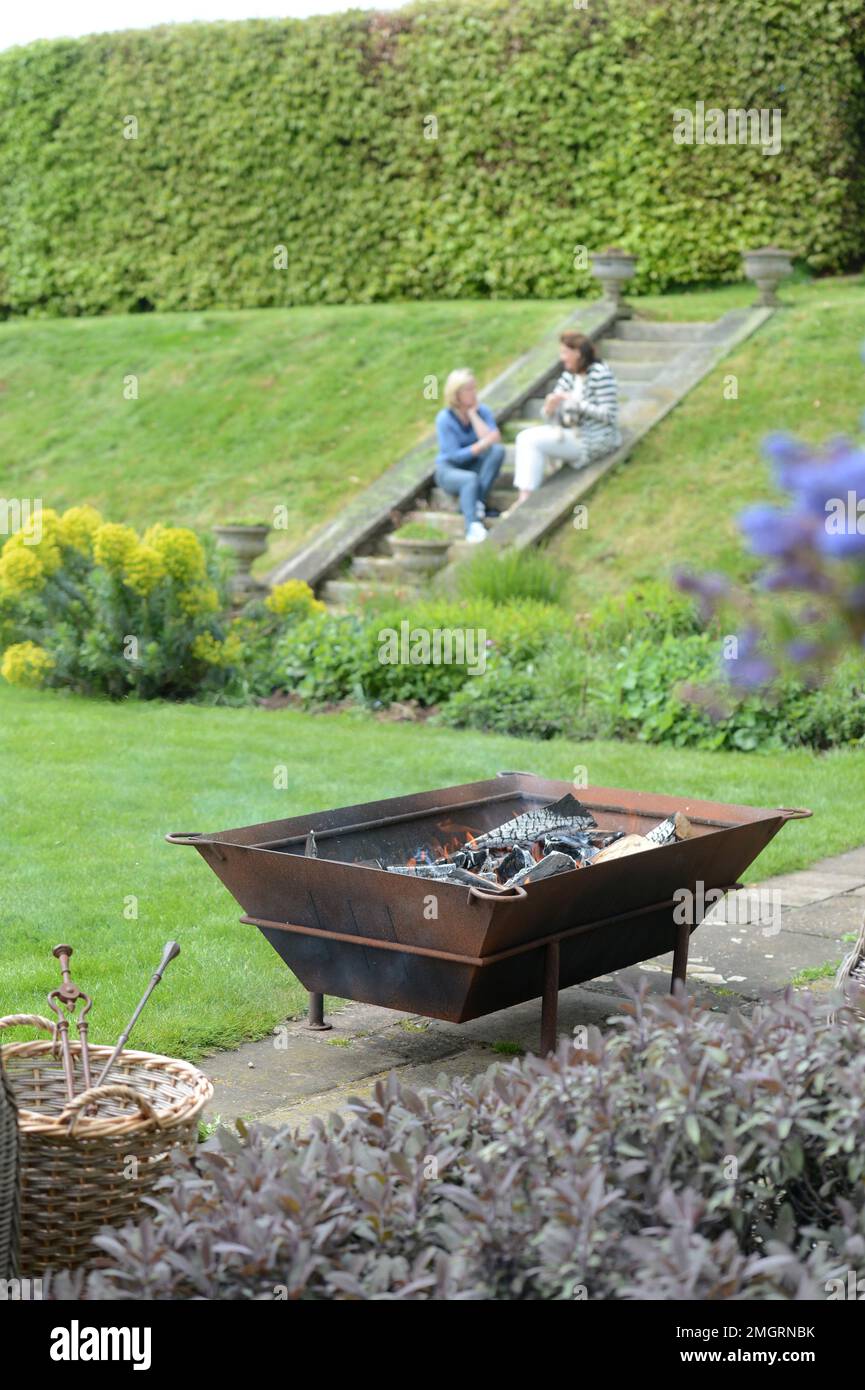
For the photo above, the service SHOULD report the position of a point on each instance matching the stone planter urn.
(767, 267)
(613, 268)
(246, 543)
(415, 556)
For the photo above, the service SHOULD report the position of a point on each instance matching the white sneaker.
(480, 511)
(475, 533)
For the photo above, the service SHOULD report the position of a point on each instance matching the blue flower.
(801, 650)
(795, 574)
(776, 531)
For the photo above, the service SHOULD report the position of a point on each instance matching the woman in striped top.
(584, 405)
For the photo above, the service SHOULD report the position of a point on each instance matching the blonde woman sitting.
(585, 407)
(470, 451)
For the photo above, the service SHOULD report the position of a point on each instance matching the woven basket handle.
(27, 1021)
(98, 1093)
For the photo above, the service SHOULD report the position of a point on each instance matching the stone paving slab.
(834, 917)
(852, 861)
(745, 951)
(468, 1062)
(798, 890)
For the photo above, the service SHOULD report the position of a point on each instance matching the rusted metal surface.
(444, 951)
(67, 997)
(170, 952)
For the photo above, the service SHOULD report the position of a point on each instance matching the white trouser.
(534, 446)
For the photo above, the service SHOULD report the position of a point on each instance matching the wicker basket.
(10, 1179)
(850, 980)
(82, 1171)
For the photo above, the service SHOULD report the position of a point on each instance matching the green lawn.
(87, 791)
(695, 472)
(236, 412)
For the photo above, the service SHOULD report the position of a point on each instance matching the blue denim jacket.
(456, 439)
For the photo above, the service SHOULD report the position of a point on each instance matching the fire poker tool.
(171, 950)
(67, 996)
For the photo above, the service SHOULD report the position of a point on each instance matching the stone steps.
(655, 364)
(499, 497)
(347, 593)
(645, 331)
(446, 520)
(511, 428)
(381, 569)
(628, 371)
(358, 524)
(620, 350)
(550, 507)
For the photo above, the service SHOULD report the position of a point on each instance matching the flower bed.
(682, 1155)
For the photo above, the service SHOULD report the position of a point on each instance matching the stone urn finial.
(246, 541)
(767, 267)
(613, 268)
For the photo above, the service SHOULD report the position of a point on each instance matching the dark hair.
(578, 342)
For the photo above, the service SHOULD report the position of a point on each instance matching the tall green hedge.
(554, 131)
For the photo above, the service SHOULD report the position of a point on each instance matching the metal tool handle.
(72, 1110)
(170, 950)
(512, 894)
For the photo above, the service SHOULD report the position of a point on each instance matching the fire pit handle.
(183, 837)
(515, 892)
(795, 812)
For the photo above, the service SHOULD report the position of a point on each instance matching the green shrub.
(508, 576)
(639, 690)
(514, 702)
(602, 1172)
(95, 607)
(306, 167)
(644, 694)
(334, 657)
(652, 608)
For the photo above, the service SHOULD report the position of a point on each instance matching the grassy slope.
(88, 790)
(236, 412)
(687, 481)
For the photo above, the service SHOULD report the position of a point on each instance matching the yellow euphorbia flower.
(201, 601)
(78, 526)
(112, 546)
(295, 596)
(181, 550)
(143, 570)
(21, 572)
(26, 664)
(215, 653)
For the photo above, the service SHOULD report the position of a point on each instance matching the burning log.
(567, 817)
(444, 873)
(676, 827)
(536, 845)
(628, 844)
(552, 863)
(514, 862)
(579, 847)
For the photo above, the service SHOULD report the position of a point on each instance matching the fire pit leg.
(316, 1014)
(550, 1000)
(680, 956)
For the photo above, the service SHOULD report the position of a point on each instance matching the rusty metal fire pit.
(445, 951)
